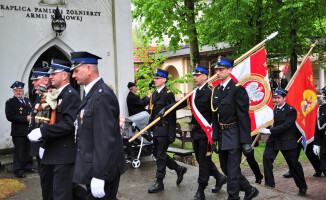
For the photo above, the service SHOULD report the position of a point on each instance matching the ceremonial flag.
(285, 68)
(302, 96)
(252, 73)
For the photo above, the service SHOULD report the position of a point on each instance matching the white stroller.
(140, 146)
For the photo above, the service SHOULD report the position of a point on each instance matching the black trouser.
(322, 155)
(163, 160)
(56, 181)
(22, 159)
(230, 164)
(254, 165)
(313, 158)
(291, 158)
(206, 166)
(110, 189)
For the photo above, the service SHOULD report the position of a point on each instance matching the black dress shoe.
(200, 194)
(31, 170)
(317, 174)
(259, 178)
(219, 183)
(180, 172)
(302, 192)
(158, 186)
(20, 174)
(287, 175)
(251, 194)
(270, 185)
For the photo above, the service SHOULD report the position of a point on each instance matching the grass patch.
(259, 151)
(9, 187)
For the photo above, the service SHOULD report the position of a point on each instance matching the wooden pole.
(213, 78)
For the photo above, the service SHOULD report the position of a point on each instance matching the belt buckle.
(222, 126)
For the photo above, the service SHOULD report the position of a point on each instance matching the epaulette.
(210, 86)
(168, 91)
(236, 85)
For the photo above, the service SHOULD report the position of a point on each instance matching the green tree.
(175, 19)
(137, 36)
(243, 24)
(146, 70)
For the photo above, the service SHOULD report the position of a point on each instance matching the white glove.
(41, 152)
(316, 149)
(97, 187)
(265, 131)
(35, 135)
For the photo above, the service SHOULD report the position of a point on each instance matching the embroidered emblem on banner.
(256, 88)
(309, 102)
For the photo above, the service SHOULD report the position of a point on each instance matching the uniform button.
(77, 149)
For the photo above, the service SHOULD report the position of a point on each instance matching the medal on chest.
(59, 102)
(81, 116)
(76, 129)
(21, 110)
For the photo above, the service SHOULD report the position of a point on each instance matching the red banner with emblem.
(302, 96)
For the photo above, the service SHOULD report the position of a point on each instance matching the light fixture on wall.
(58, 22)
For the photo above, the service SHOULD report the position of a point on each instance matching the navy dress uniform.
(231, 128)
(320, 131)
(203, 150)
(57, 164)
(100, 152)
(17, 111)
(283, 138)
(35, 146)
(164, 133)
(134, 103)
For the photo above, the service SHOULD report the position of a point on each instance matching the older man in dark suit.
(59, 156)
(18, 110)
(134, 103)
(282, 138)
(100, 158)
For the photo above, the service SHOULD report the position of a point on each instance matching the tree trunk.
(294, 46)
(193, 41)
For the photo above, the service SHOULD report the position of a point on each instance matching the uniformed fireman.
(231, 128)
(164, 132)
(283, 137)
(320, 137)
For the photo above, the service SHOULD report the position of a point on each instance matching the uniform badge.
(76, 129)
(81, 116)
(59, 102)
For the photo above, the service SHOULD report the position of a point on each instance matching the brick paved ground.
(316, 185)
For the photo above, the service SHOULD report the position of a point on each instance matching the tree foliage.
(175, 19)
(146, 70)
(245, 23)
(241, 23)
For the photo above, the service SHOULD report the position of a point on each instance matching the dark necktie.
(22, 100)
(278, 110)
(221, 88)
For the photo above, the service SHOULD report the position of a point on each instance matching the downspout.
(116, 78)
